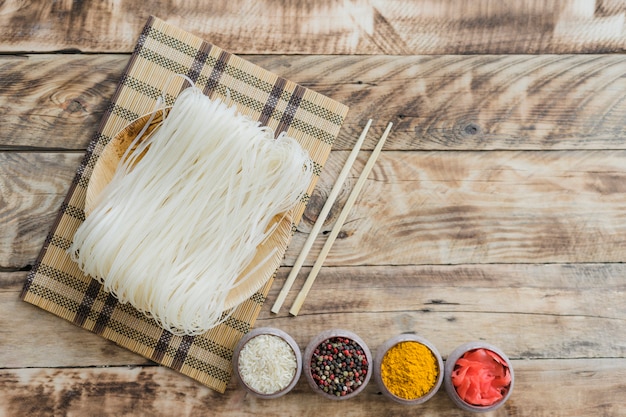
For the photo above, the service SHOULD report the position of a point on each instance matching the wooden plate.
(103, 173)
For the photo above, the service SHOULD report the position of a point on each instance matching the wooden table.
(496, 212)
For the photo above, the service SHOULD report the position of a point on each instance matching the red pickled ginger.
(481, 377)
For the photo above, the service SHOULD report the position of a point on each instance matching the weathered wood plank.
(416, 208)
(30, 336)
(442, 102)
(32, 188)
(326, 27)
(55, 101)
(153, 391)
(478, 102)
(481, 207)
(530, 311)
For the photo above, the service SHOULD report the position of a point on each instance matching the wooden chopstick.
(295, 309)
(320, 220)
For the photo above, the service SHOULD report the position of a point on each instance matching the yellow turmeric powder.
(409, 370)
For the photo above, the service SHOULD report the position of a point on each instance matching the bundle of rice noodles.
(186, 210)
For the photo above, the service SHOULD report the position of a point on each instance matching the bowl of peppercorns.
(337, 364)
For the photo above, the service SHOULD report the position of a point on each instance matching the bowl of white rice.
(267, 362)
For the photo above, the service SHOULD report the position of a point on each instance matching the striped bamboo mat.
(57, 285)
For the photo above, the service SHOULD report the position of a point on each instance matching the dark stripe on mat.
(181, 353)
(290, 111)
(105, 315)
(199, 61)
(272, 100)
(216, 73)
(161, 347)
(85, 306)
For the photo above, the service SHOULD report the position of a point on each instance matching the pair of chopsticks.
(322, 218)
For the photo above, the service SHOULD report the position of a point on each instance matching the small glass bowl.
(449, 367)
(309, 353)
(378, 361)
(274, 332)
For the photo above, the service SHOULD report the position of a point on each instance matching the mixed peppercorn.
(339, 366)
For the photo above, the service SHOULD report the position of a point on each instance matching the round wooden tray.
(103, 173)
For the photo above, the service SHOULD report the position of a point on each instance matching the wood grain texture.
(155, 391)
(416, 207)
(55, 101)
(530, 311)
(58, 343)
(476, 102)
(482, 207)
(496, 212)
(325, 27)
(436, 103)
(32, 188)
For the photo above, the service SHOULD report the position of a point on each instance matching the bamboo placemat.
(57, 285)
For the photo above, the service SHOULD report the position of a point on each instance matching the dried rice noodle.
(175, 228)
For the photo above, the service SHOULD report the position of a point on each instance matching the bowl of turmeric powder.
(408, 369)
